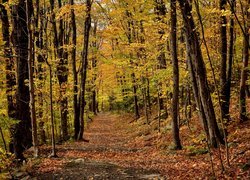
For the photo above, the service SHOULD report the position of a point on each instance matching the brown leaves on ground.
(113, 139)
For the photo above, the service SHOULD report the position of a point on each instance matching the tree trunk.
(148, 95)
(136, 107)
(53, 142)
(40, 25)
(75, 74)
(82, 102)
(197, 63)
(230, 59)
(94, 64)
(223, 67)
(160, 11)
(175, 100)
(200, 108)
(21, 140)
(29, 5)
(62, 75)
(145, 102)
(244, 71)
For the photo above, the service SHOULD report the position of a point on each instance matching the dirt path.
(102, 157)
(118, 149)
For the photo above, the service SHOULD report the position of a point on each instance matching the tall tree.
(130, 36)
(21, 140)
(175, 100)
(87, 25)
(75, 74)
(29, 6)
(244, 71)
(161, 11)
(230, 58)
(62, 75)
(198, 68)
(94, 66)
(223, 67)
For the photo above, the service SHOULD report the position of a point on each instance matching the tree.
(244, 71)
(82, 103)
(175, 100)
(223, 70)
(198, 73)
(230, 58)
(29, 6)
(62, 75)
(21, 140)
(161, 11)
(75, 74)
(93, 101)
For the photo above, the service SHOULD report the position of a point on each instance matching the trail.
(118, 149)
(101, 157)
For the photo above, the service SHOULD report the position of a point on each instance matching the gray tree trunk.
(175, 100)
(199, 69)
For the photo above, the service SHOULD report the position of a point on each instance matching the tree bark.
(136, 107)
(175, 100)
(197, 63)
(244, 71)
(160, 11)
(223, 66)
(29, 5)
(75, 74)
(94, 65)
(21, 140)
(53, 142)
(230, 59)
(145, 102)
(87, 26)
(62, 75)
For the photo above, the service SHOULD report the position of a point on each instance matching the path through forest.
(118, 149)
(101, 158)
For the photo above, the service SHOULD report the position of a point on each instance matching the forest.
(124, 89)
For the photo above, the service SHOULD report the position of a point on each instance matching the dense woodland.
(174, 61)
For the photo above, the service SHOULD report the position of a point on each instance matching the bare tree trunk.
(244, 71)
(136, 107)
(82, 102)
(94, 65)
(223, 70)
(62, 75)
(197, 63)
(145, 102)
(148, 95)
(158, 108)
(230, 59)
(21, 141)
(75, 74)
(53, 143)
(175, 100)
(160, 11)
(29, 5)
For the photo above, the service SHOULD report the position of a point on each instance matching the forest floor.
(119, 149)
